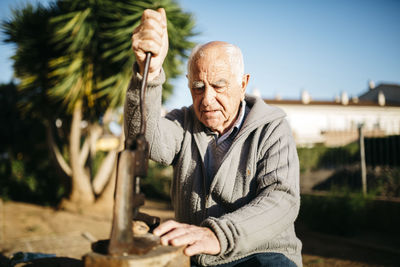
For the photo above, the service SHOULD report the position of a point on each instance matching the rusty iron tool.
(131, 167)
(142, 155)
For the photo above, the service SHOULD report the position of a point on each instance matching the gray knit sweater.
(253, 199)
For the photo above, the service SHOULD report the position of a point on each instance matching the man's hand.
(198, 239)
(151, 36)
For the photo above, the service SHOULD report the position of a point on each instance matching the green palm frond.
(29, 30)
(118, 33)
(81, 50)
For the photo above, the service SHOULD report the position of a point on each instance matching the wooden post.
(362, 159)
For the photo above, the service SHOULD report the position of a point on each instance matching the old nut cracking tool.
(131, 168)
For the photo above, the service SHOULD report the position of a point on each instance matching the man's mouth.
(210, 112)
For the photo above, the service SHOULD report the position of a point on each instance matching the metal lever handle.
(132, 165)
(143, 92)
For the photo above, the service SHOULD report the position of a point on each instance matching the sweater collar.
(260, 113)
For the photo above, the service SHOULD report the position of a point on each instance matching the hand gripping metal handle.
(131, 166)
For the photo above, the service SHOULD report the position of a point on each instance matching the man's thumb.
(163, 15)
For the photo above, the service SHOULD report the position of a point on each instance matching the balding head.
(217, 84)
(232, 52)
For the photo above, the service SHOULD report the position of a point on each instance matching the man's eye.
(218, 88)
(198, 89)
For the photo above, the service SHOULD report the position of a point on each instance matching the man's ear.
(245, 82)
(188, 82)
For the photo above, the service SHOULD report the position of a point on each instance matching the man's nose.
(209, 96)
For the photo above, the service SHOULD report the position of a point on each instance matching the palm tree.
(88, 69)
(30, 30)
(124, 16)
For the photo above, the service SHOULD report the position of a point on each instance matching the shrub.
(26, 172)
(320, 156)
(157, 184)
(337, 213)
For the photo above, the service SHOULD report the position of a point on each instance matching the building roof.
(390, 91)
(382, 95)
(359, 103)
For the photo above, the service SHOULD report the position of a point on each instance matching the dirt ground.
(32, 228)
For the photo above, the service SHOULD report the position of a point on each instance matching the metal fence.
(341, 168)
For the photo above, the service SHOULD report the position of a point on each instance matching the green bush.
(309, 157)
(384, 181)
(157, 184)
(339, 214)
(320, 156)
(26, 172)
(344, 213)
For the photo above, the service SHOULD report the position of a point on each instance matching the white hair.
(235, 59)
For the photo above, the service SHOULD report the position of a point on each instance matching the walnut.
(140, 228)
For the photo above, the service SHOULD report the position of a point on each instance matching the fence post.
(362, 158)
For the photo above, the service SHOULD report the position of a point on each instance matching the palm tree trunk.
(81, 191)
(104, 172)
(106, 199)
(55, 152)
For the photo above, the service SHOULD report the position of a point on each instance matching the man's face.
(216, 91)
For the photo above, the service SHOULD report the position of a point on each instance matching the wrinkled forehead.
(211, 61)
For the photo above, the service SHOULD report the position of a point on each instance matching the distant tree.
(30, 31)
(85, 63)
(26, 173)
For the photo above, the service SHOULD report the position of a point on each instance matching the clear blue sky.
(324, 47)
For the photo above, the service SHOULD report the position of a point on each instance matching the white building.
(335, 123)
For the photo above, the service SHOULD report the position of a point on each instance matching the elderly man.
(235, 188)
